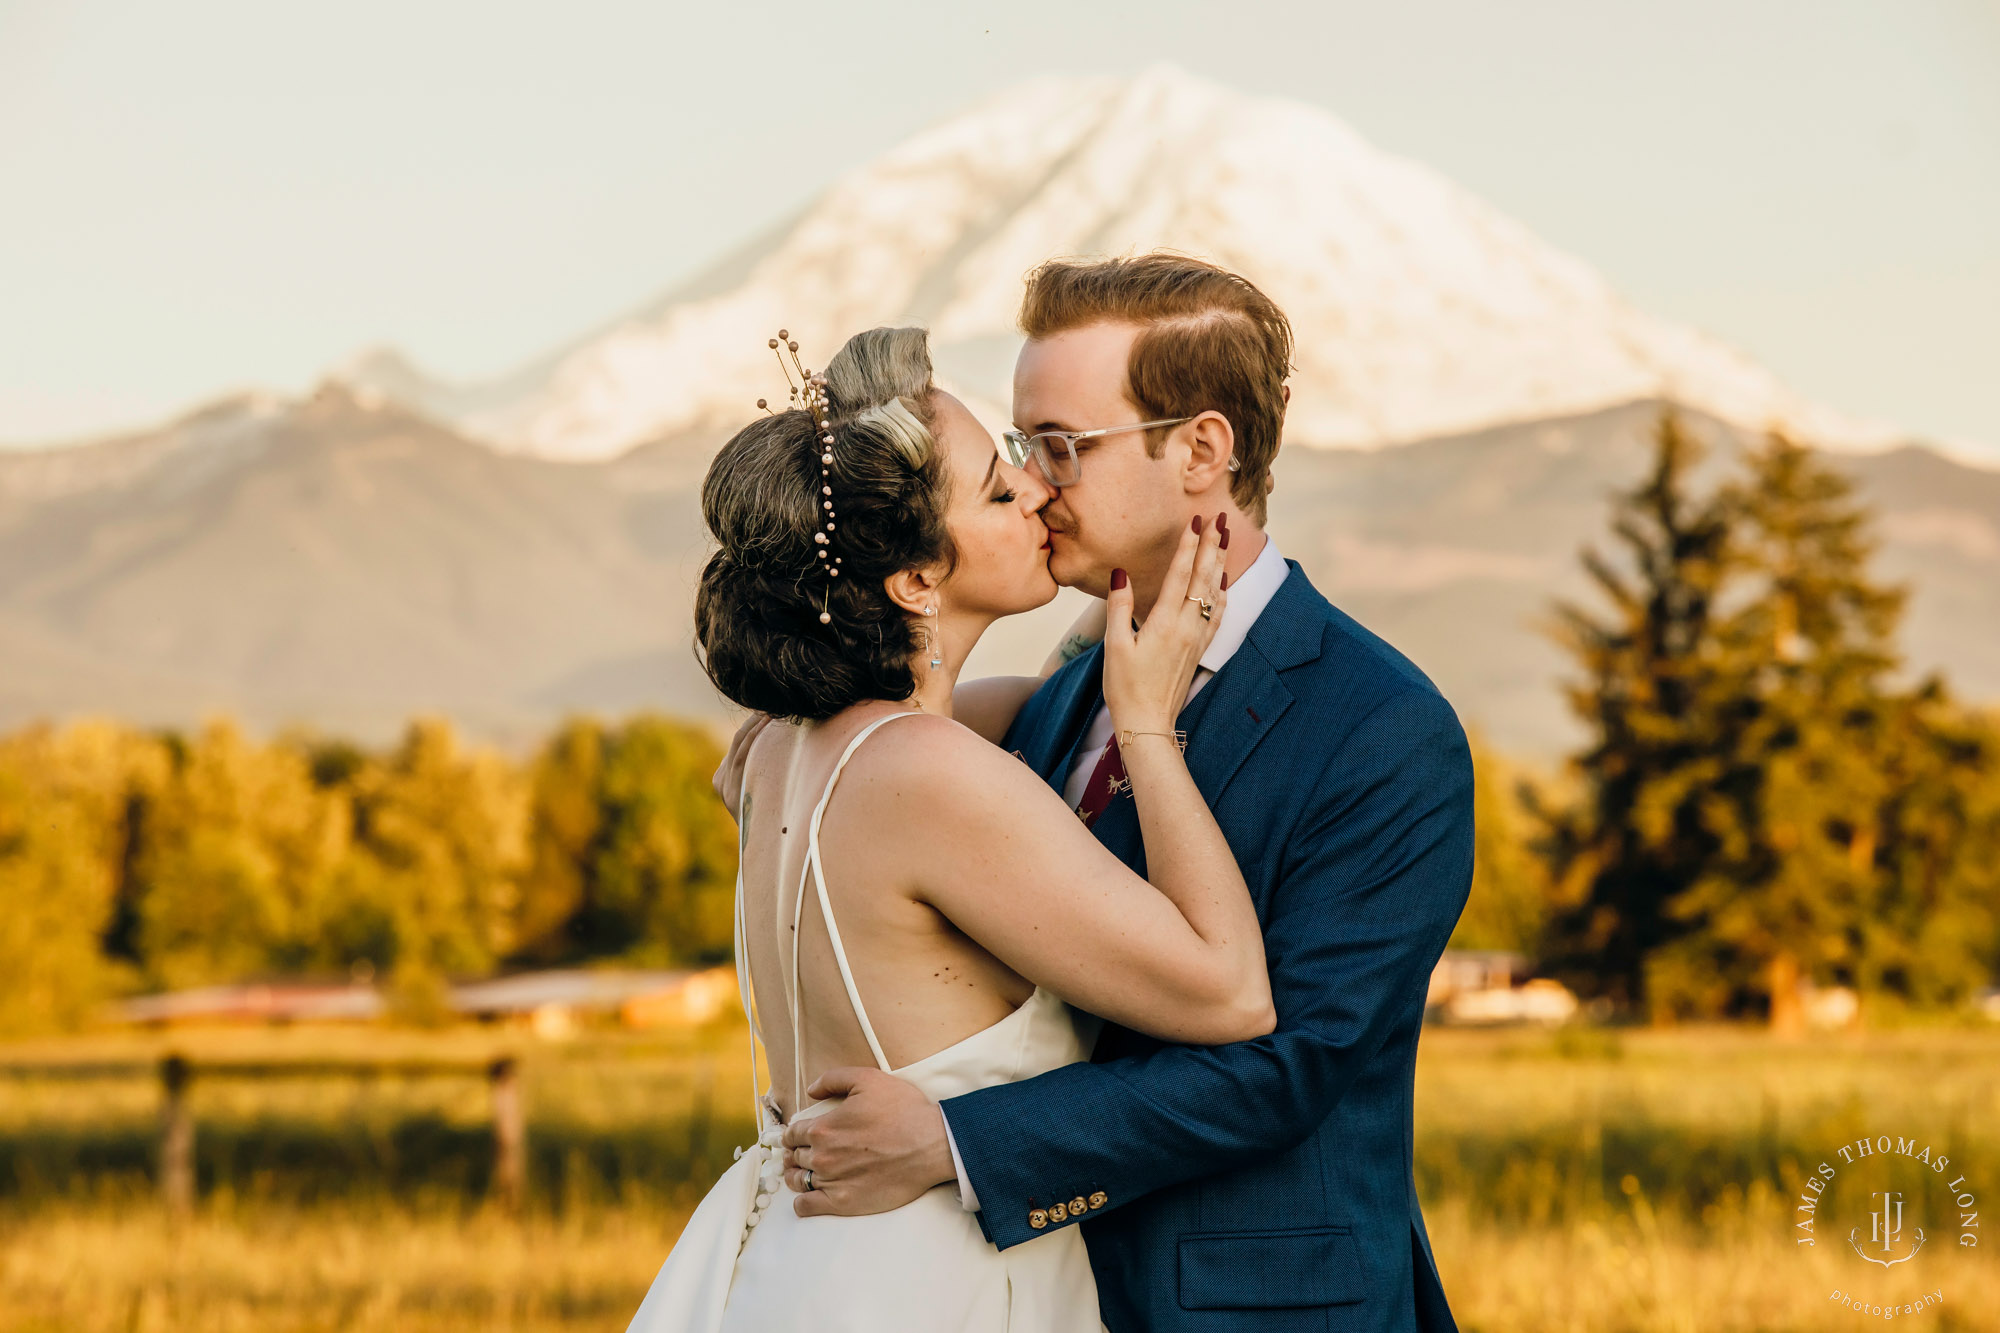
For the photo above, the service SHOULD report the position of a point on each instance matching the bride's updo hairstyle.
(757, 611)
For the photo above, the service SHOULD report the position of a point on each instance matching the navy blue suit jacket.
(1267, 1184)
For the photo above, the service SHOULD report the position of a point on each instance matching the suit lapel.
(1229, 717)
(1077, 691)
(1247, 697)
(1234, 711)
(1223, 723)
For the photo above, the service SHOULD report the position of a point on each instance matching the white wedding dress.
(747, 1263)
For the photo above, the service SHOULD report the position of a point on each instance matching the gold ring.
(1207, 607)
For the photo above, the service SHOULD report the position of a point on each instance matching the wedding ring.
(809, 1180)
(1207, 607)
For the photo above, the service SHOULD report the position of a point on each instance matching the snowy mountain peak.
(1419, 309)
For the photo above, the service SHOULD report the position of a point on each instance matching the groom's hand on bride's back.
(881, 1147)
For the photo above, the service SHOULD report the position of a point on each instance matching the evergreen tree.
(1786, 895)
(1661, 698)
(1931, 933)
(1761, 806)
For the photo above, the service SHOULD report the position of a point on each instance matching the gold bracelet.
(1179, 738)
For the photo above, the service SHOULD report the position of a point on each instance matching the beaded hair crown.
(809, 395)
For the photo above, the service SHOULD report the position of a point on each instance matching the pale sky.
(203, 196)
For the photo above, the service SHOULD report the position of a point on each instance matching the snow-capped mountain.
(1419, 309)
(357, 555)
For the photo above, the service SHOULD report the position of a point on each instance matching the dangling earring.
(937, 658)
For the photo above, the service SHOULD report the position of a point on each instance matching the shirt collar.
(1248, 596)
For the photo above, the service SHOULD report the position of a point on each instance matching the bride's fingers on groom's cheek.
(1208, 569)
(1118, 609)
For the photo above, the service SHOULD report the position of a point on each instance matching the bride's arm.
(987, 706)
(994, 850)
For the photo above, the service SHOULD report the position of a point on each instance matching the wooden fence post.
(176, 1137)
(510, 1140)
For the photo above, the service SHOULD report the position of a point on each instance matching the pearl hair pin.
(809, 394)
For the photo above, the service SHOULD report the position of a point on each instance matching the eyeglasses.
(1054, 451)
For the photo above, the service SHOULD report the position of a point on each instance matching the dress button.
(1098, 1200)
(1076, 1206)
(1058, 1212)
(1038, 1219)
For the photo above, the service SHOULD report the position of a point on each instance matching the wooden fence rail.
(177, 1074)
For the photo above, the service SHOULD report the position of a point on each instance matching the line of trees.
(132, 859)
(1761, 805)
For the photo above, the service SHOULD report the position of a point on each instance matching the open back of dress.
(747, 1263)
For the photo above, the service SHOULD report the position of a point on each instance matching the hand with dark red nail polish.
(1225, 537)
(1118, 579)
(1196, 525)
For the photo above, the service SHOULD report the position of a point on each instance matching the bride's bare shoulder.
(927, 758)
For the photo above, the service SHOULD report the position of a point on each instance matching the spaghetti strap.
(817, 872)
(740, 928)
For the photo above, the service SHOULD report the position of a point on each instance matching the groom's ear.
(1213, 446)
(912, 589)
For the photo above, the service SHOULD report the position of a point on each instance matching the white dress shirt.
(1248, 596)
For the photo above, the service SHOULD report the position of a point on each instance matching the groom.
(1263, 1185)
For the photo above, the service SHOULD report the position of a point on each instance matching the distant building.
(1830, 1008)
(697, 998)
(257, 1002)
(1478, 987)
(551, 1004)
(1463, 970)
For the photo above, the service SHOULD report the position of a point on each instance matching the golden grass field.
(1593, 1181)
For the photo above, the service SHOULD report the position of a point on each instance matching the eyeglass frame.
(1017, 447)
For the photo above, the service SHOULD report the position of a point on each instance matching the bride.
(912, 896)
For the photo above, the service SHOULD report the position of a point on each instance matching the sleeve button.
(1058, 1212)
(1099, 1199)
(1076, 1206)
(1038, 1219)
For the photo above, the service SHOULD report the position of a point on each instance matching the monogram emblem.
(1885, 1229)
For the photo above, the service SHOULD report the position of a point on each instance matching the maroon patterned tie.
(1106, 781)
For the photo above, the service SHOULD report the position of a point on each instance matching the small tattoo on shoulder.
(1075, 646)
